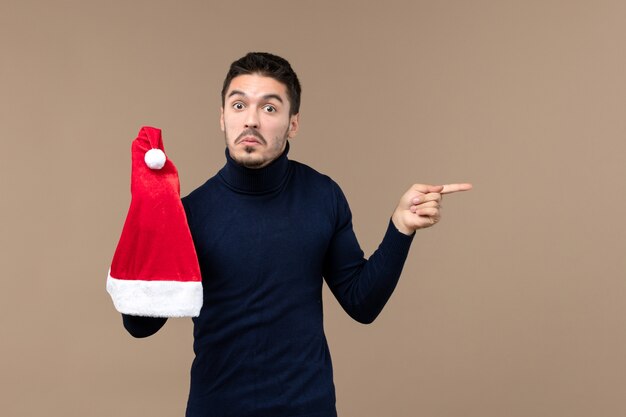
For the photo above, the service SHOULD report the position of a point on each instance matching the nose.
(252, 119)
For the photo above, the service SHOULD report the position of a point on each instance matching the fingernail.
(416, 200)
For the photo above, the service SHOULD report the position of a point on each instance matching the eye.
(238, 105)
(269, 108)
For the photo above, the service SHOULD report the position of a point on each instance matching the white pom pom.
(155, 158)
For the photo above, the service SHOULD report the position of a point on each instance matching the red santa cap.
(155, 269)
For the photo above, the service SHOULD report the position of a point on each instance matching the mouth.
(249, 140)
(250, 137)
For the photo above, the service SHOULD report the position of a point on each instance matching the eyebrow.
(265, 97)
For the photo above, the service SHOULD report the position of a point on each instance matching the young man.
(267, 232)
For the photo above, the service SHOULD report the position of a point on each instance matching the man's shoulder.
(202, 192)
(306, 173)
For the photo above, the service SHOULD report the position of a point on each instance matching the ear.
(222, 118)
(294, 125)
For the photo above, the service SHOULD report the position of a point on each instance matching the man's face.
(255, 120)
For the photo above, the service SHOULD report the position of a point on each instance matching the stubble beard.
(255, 163)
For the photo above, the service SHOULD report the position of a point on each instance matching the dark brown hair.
(267, 65)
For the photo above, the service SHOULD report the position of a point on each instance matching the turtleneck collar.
(255, 181)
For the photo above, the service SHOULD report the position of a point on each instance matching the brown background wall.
(514, 305)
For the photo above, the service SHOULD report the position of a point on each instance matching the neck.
(255, 180)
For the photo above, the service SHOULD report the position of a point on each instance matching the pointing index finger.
(453, 188)
(425, 188)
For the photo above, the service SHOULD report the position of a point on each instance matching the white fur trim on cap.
(155, 158)
(156, 298)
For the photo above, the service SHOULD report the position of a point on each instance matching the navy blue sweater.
(266, 238)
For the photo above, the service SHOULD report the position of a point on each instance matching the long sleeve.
(362, 286)
(142, 326)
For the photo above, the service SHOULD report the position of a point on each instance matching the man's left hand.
(420, 206)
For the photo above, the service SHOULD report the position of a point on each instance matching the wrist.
(399, 225)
